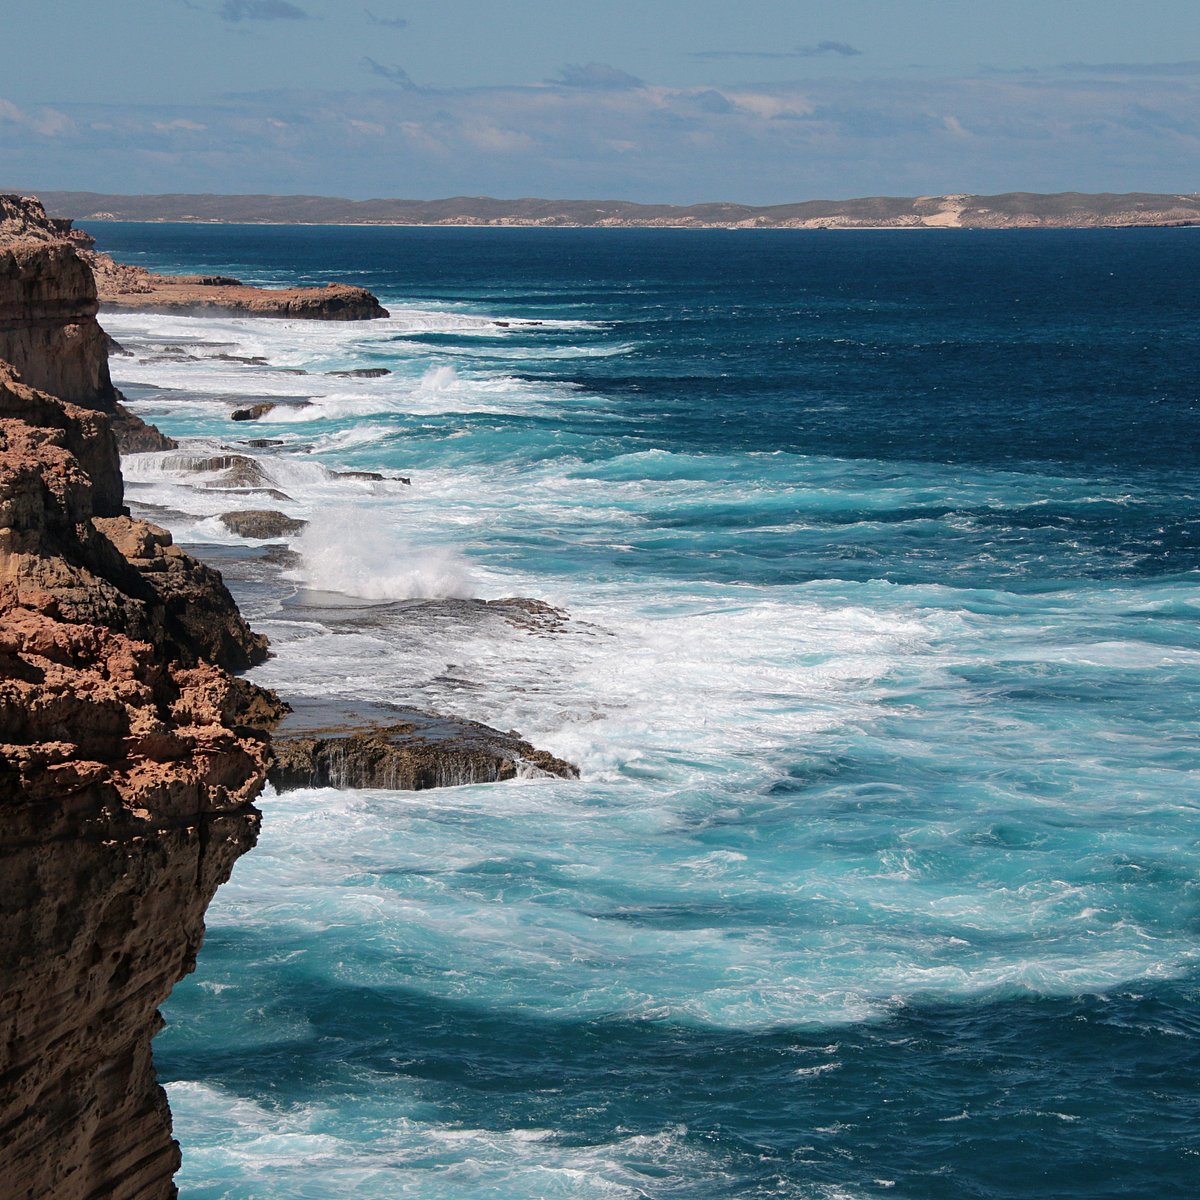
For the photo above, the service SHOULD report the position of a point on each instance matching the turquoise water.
(882, 555)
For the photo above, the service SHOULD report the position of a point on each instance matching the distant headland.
(1009, 210)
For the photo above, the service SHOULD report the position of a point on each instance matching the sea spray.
(438, 379)
(358, 553)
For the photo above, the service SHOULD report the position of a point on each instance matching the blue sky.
(761, 101)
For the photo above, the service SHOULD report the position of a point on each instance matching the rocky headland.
(121, 285)
(131, 752)
(127, 287)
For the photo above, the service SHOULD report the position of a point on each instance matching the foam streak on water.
(882, 664)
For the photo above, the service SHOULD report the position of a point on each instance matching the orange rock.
(130, 758)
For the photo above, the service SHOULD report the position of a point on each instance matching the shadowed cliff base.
(1007, 210)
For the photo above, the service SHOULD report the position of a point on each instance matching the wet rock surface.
(320, 745)
(261, 523)
(253, 412)
(371, 477)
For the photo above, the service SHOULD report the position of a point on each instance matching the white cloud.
(764, 143)
(47, 122)
(180, 123)
(768, 106)
(261, 10)
(496, 140)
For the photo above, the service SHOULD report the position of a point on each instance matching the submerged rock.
(361, 373)
(371, 477)
(524, 612)
(270, 492)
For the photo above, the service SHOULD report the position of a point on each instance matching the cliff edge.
(48, 328)
(130, 756)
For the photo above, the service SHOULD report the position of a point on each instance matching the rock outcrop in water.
(129, 758)
(411, 752)
(199, 295)
(261, 523)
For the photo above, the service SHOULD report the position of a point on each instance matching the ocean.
(881, 555)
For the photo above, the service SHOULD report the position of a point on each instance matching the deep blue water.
(883, 557)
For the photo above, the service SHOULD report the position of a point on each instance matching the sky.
(669, 101)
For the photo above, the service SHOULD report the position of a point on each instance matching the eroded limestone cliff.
(48, 327)
(48, 309)
(130, 758)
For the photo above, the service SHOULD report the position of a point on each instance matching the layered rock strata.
(48, 327)
(124, 287)
(130, 758)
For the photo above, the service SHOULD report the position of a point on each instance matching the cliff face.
(129, 762)
(48, 327)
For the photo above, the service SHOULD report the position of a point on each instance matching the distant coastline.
(1009, 210)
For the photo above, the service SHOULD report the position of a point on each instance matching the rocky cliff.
(130, 757)
(48, 327)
